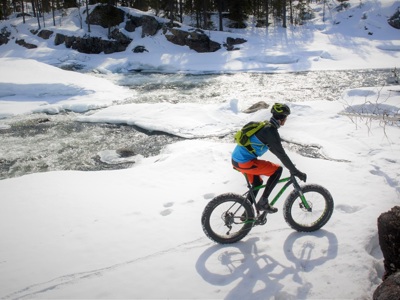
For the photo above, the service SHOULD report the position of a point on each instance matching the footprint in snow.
(348, 209)
(166, 212)
(208, 196)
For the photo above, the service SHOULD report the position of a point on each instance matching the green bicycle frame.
(289, 180)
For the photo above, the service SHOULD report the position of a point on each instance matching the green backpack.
(242, 136)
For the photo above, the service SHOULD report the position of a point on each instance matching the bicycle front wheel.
(320, 210)
(227, 218)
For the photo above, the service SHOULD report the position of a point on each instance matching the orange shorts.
(256, 167)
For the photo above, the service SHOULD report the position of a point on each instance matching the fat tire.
(323, 196)
(243, 228)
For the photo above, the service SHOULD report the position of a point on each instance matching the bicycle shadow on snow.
(221, 265)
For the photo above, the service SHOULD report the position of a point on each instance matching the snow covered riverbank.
(136, 233)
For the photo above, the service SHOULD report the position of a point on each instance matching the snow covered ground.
(136, 233)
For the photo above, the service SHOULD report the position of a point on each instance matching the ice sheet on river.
(28, 86)
(187, 120)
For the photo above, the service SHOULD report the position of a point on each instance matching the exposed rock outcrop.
(22, 43)
(196, 40)
(150, 26)
(389, 241)
(106, 16)
(389, 289)
(139, 49)
(94, 45)
(45, 34)
(4, 35)
(132, 23)
(394, 20)
(256, 107)
(111, 17)
(231, 42)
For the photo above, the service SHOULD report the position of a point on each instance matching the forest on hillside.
(237, 11)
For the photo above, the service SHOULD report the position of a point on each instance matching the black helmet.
(280, 111)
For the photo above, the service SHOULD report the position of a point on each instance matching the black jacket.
(269, 135)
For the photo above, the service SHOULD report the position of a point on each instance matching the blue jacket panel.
(241, 154)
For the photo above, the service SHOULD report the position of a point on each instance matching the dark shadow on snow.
(243, 263)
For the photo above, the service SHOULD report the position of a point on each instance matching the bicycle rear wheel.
(321, 208)
(227, 218)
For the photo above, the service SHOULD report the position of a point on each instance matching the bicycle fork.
(304, 203)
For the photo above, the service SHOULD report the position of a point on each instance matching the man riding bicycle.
(266, 139)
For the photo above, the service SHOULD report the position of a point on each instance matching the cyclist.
(266, 139)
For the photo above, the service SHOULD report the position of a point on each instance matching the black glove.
(302, 176)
